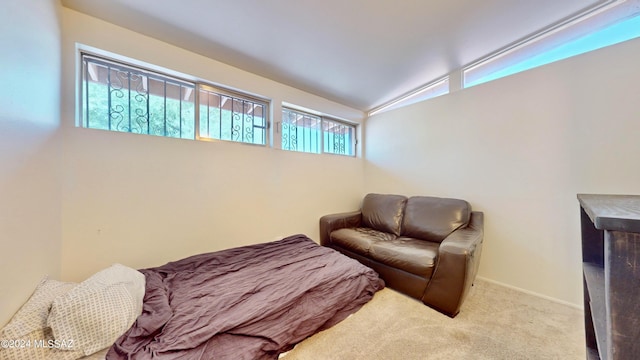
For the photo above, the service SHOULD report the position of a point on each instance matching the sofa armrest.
(457, 266)
(329, 223)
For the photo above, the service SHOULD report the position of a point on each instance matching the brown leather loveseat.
(426, 247)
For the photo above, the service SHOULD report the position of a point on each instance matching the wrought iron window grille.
(226, 116)
(306, 132)
(121, 97)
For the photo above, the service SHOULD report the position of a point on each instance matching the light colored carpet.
(495, 322)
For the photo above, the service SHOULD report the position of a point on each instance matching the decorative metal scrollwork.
(141, 99)
(122, 98)
(289, 133)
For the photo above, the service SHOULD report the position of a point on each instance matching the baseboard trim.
(529, 292)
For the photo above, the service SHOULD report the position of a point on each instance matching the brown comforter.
(252, 302)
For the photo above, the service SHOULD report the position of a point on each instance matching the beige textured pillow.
(100, 309)
(29, 326)
(33, 314)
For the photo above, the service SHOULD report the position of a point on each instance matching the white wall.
(143, 200)
(520, 149)
(30, 232)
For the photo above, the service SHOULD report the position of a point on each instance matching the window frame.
(323, 118)
(286, 136)
(354, 139)
(513, 58)
(133, 71)
(198, 85)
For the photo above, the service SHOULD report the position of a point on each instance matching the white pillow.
(100, 309)
(33, 314)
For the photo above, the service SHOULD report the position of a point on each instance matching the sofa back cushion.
(433, 218)
(383, 212)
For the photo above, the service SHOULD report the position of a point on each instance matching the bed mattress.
(251, 302)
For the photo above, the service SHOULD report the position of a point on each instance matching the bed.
(251, 302)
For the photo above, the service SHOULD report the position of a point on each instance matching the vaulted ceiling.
(361, 53)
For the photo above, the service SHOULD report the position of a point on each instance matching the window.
(305, 132)
(227, 117)
(121, 97)
(300, 131)
(604, 25)
(118, 97)
(338, 137)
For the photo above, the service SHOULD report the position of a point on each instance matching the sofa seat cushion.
(359, 240)
(411, 255)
